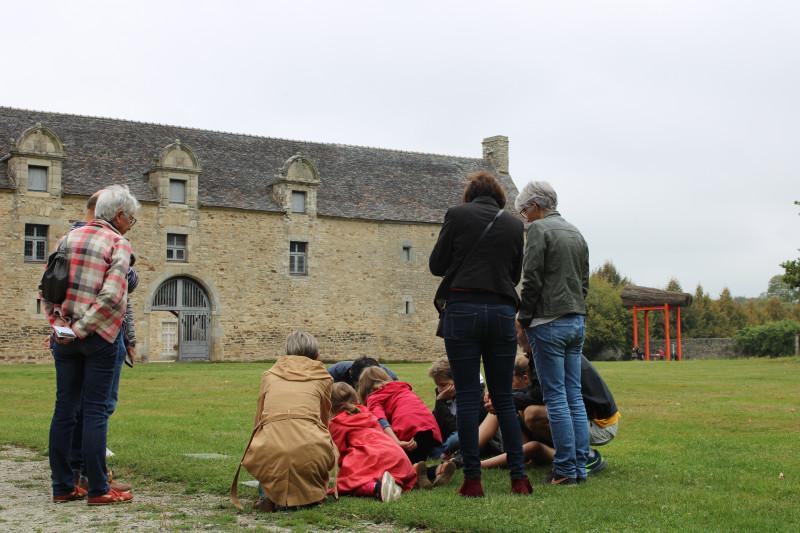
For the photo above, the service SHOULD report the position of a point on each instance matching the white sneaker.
(109, 453)
(390, 490)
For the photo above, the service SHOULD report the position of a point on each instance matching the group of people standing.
(358, 417)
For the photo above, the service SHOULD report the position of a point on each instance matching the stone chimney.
(495, 151)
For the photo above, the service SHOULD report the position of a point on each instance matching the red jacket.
(404, 410)
(366, 452)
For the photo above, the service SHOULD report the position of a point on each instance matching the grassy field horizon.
(701, 447)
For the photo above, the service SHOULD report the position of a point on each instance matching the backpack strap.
(235, 485)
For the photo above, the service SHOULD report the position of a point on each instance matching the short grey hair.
(302, 343)
(115, 199)
(540, 193)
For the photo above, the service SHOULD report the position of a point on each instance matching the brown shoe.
(76, 494)
(264, 504)
(422, 475)
(111, 497)
(444, 473)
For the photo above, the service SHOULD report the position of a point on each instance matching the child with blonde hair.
(371, 463)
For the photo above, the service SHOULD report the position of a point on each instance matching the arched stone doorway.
(189, 334)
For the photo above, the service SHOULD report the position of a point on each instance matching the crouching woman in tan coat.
(291, 452)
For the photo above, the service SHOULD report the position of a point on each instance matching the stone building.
(240, 240)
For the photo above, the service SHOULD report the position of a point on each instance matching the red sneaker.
(521, 486)
(471, 488)
(77, 494)
(111, 497)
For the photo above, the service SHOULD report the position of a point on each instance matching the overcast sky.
(670, 129)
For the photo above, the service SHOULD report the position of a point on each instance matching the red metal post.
(635, 328)
(647, 335)
(666, 332)
(678, 327)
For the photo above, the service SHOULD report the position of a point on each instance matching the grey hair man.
(86, 352)
(555, 282)
(536, 193)
(117, 206)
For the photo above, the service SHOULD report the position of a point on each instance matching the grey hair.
(112, 200)
(540, 193)
(302, 343)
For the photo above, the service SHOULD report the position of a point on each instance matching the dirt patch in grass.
(26, 505)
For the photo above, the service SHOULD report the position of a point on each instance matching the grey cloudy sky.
(684, 114)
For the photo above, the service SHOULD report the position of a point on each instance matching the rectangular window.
(176, 247)
(177, 192)
(169, 338)
(298, 202)
(38, 306)
(298, 258)
(37, 178)
(408, 307)
(35, 242)
(407, 253)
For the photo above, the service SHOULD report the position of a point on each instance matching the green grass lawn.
(701, 446)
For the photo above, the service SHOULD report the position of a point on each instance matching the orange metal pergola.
(665, 308)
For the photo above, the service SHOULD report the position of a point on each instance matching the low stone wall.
(711, 348)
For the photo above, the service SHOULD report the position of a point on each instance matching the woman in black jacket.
(480, 272)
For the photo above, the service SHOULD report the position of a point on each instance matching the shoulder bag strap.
(450, 274)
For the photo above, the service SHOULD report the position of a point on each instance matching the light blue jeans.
(557, 347)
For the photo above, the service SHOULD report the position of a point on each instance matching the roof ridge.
(344, 145)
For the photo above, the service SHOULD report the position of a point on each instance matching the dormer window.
(37, 178)
(298, 202)
(177, 191)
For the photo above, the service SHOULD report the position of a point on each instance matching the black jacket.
(597, 399)
(496, 264)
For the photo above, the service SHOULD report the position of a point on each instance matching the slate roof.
(237, 170)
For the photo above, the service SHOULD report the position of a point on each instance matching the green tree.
(792, 268)
(778, 288)
(606, 322)
(610, 273)
(674, 285)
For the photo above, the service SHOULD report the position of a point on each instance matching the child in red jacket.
(370, 463)
(401, 413)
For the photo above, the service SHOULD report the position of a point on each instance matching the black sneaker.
(595, 464)
(558, 479)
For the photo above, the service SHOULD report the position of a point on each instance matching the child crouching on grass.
(405, 418)
(371, 463)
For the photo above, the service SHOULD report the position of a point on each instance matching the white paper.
(64, 331)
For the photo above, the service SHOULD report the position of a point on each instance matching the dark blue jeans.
(84, 375)
(470, 331)
(557, 347)
(76, 455)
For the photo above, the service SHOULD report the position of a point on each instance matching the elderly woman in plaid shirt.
(94, 307)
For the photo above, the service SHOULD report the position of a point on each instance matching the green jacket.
(555, 270)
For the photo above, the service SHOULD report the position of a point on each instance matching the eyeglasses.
(132, 220)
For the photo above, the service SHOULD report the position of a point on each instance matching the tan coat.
(293, 453)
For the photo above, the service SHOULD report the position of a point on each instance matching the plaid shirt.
(97, 294)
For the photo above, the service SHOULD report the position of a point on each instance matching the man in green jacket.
(555, 281)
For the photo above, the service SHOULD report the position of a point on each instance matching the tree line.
(609, 326)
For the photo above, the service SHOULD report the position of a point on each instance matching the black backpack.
(56, 276)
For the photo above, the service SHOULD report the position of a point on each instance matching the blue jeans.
(450, 444)
(84, 375)
(76, 454)
(472, 330)
(557, 348)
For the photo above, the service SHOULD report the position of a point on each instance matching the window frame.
(183, 184)
(299, 194)
(407, 253)
(176, 247)
(34, 241)
(46, 177)
(296, 253)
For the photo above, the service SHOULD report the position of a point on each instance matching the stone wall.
(710, 348)
(354, 299)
